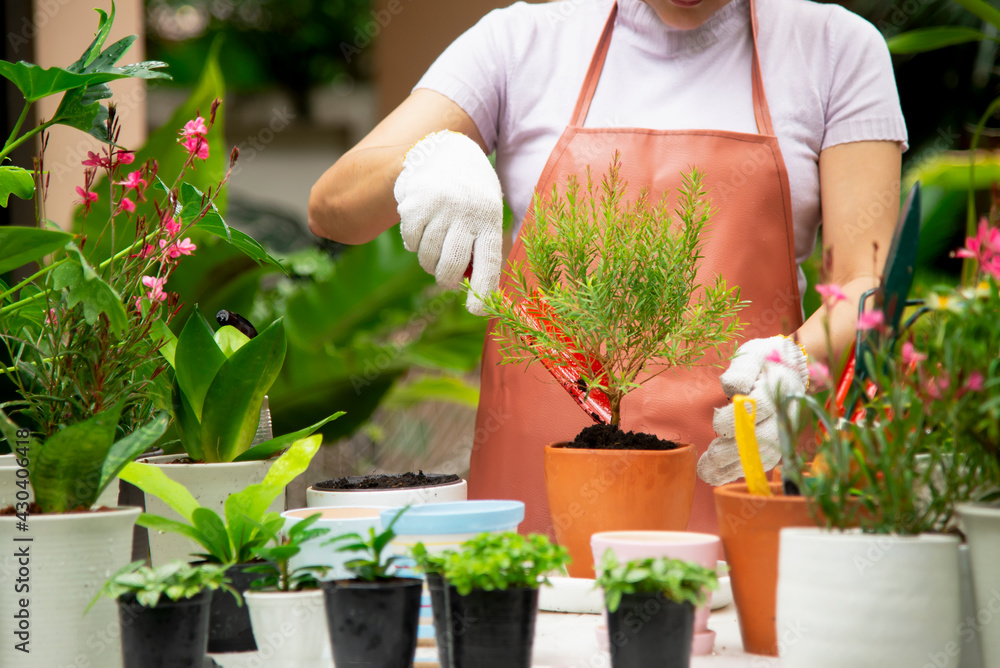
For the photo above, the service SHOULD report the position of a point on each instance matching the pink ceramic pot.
(700, 548)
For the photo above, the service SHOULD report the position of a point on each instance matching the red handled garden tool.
(574, 367)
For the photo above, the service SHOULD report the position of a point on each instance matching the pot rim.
(856, 536)
(274, 593)
(740, 490)
(319, 509)
(978, 509)
(159, 460)
(355, 584)
(166, 601)
(560, 446)
(86, 515)
(667, 538)
(313, 488)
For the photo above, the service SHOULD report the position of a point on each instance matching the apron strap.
(761, 114)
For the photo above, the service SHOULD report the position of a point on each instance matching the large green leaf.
(20, 245)
(197, 360)
(157, 523)
(232, 404)
(160, 333)
(215, 536)
(275, 445)
(152, 480)
(931, 39)
(194, 202)
(130, 447)
(66, 471)
(87, 287)
(187, 423)
(15, 181)
(983, 10)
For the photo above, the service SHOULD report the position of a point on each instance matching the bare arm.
(859, 191)
(353, 202)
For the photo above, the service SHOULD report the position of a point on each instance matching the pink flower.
(94, 160)
(831, 293)
(178, 248)
(820, 373)
(171, 226)
(195, 127)
(126, 205)
(86, 197)
(125, 157)
(197, 147)
(155, 285)
(133, 182)
(975, 382)
(871, 320)
(51, 319)
(145, 252)
(984, 248)
(910, 354)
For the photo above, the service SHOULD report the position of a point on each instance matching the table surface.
(570, 641)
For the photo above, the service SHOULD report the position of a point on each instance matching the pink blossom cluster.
(984, 248)
(194, 139)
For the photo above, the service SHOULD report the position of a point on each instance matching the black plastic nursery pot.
(229, 627)
(172, 634)
(373, 623)
(436, 587)
(650, 631)
(489, 629)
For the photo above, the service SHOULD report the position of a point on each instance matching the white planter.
(339, 521)
(210, 484)
(389, 498)
(864, 600)
(70, 556)
(9, 488)
(981, 524)
(290, 629)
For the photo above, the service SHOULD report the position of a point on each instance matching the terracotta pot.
(750, 526)
(616, 490)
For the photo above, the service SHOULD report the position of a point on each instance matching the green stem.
(29, 279)
(23, 138)
(18, 124)
(23, 302)
(969, 266)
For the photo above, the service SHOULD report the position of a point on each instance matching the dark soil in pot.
(373, 623)
(229, 626)
(172, 634)
(490, 629)
(607, 437)
(649, 631)
(388, 481)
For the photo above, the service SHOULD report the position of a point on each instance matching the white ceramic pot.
(981, 524)
(389, 498)
(339, 521)
(290, 629)
(866, 600)
(210, 484)
(9, 487)
(972, 655)
(70, 556)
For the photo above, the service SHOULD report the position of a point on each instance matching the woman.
(788, 106)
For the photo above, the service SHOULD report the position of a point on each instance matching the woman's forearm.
(353, 202)
(842, 322)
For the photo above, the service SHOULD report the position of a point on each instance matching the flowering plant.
(84, 331)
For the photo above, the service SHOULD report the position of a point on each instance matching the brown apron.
(750, 243)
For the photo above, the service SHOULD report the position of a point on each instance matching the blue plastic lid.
(456, 517)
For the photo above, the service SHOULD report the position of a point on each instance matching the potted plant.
(387, 489)
(220, 381)
(286, 605)
(614, 285)
(650, 605)
(164, 611)
(490, 600)
(59, 547)
(373, 616)
(228, 538)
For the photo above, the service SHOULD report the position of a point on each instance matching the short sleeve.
(863, 104)
(472, 71)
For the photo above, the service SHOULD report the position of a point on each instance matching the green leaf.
(87, 287)
(277, 444)
(930, 39)
(157, 523)
(197, 360)
(188, 424)
(230, 339)
(20, 245)
(215, 536)
(66, 472)
(15, 181)
(153, 480)
(130, 447)
(159, 332)
(193, 203)
(232, 403)
(983, 10)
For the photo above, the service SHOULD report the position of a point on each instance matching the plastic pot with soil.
(388, 490)
(610, 480)
(171, 633)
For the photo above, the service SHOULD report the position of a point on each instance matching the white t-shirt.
(827, 76)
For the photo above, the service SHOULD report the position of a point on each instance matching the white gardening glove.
(757, 373)
(451, 208)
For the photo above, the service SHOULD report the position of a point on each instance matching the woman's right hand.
(451, 209)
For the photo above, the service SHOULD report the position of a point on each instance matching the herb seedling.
(678, 581)
(277, 574)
